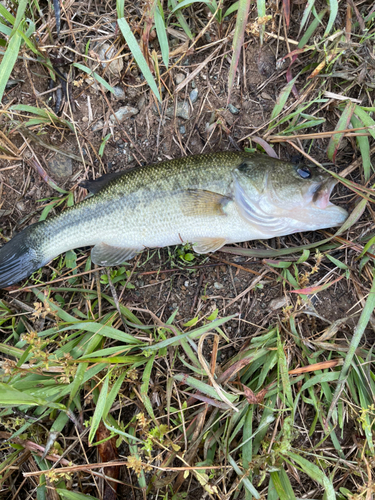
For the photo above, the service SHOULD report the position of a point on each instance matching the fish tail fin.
(21, 256)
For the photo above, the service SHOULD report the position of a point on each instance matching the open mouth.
(323, 193)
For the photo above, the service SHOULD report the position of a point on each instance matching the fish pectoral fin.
(200, 202)
(206, 245)
(107, 255)
(94, 186)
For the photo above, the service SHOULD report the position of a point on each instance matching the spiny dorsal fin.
(94, 186)
(199, 202)
(107, 255)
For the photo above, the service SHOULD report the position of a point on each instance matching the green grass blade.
(10, 396)
(138, 56)
(358, 333)
(311, 29)
(315, 473)
(282, 485)
(5, 29)
(22, 4)
(281, 100)
(231, 9)
(180, 18)
(239, 32)
(333, 10)
(120, 4)
(99, 409)
(31, 109)
(342, 124)
(185, 3)
(364, 147)
(7, 15)
(9, 60)
(366, 120)
(145, 386)
(249, 487)
(247, 449)
(81, 372)
(202, 387)
(306, 13)
(261, 11)
(284, 374)
(73, 495)
(162, 33)
(98, 78)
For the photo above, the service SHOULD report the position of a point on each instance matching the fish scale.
(207, 200)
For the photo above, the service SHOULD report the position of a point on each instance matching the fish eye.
(304, 172)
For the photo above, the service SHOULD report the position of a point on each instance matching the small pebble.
(108, 52)
(182, 110)
(179, 78)
(266, 96)
(194, 96)
(193, 84)
(233, 109)
(97, 126)
(60, 166)
(278, 303)
(182, 130)
(218, 286)
(119, 93)
(123, 113)
(186, 283)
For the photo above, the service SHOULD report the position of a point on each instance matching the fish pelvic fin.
(108, 255)
(20, 257)
(206, 245)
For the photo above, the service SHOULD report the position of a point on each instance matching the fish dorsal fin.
(98, 184)
(252, 212)
(108, 255)
(206, 245)
(198, 202)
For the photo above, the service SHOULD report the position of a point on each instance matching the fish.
(206, 200)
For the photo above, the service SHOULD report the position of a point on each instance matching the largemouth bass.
(206, 200)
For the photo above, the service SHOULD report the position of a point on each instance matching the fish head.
(299, 195)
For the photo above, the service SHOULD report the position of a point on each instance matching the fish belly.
(160, 229)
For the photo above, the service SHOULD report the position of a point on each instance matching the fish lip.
(321, 196)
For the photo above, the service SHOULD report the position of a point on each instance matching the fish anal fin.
(108, 255)
(94, 186)
(199, 202)
(206, 245)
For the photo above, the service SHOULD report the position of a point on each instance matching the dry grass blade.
(239, 32)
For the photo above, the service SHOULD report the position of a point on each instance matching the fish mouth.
(321, 196)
